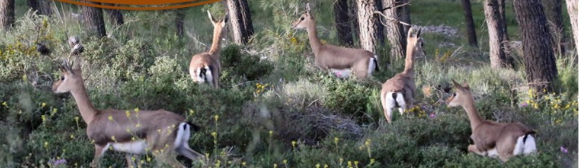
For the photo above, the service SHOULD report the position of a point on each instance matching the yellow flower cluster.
(260, 88)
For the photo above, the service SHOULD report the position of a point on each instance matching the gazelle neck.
(216, 42)
(474, 118)
(313, 37)
(409, 59)
(86, 108)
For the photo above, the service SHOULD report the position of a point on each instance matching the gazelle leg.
(401, 110)
(473, 149)
(99, 151)
(130, 160)
(388, 114)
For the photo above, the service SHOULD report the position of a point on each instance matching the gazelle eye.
(454, 94)
(301, 18)
(62, 78)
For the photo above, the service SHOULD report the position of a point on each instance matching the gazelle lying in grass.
(492, 138)
(160, 132)
(340, 60)
(400, 89)
(206, 67)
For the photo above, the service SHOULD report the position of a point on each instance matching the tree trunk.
(368, 31)
(553, 11)
(179, 22)
(33, 4)
(115, 16)
(572, 6)
(6, 13)
(539, 58)
(93, 19)
(404, 15)
(471, 36)
(342, 21)
(353, 13)
(45, 7)
(497, 54)
(241, 21)
(395, 31)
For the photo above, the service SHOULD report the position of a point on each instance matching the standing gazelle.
(160, 132)
(340, 60)
(206, 67)
(400, 89)
(492, 138)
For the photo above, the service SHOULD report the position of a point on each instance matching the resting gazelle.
(160, 132)
(339, 60)
(492, 138)
(206, 67)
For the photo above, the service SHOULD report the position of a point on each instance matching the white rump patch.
(134, 147)
(341, 73)
(391, 103)
(527, 147)
(372, 65)
(492, 152)
(183, 133)
(203, 78)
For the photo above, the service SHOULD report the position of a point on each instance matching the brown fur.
(335, 57)
(211, 58)
(158, 128)
(486, 134)
(404, 82)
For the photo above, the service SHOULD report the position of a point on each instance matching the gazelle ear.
(465, 85)
(226, 17)
(211, 17)
(307, 7)
(410, 32)
(77, 63)
(418, 32)
(456, 85)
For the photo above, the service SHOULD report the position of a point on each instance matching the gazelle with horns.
(491, 138)
(400, 89)
(135, 132)
(206, 67)
(339, 60)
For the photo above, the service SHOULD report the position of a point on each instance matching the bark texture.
(537, 44)
(342, 22)
(115, 16)
(553, 11)
(572, 6)
(395, 31)
(241, 21)
(495, 28)
(93, 20)
(471, 35)
(6, 13)
(179, 22)
(367, 23)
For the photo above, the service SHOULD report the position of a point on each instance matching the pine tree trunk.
(539, 58)
(395, 31)
(368, 32)
(45, 7)
(93, 20)
(572, 6)
(6, 13)
(179, 22)
(342, 21)
(115, 16)
(471, 35)
(404, 15)
(241, 21)
(553, 11)
(33, 5)
(353, 13)
(497, 54)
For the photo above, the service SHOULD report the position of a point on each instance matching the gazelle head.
(304, 20)
(415, 41)
(462, 94)
(218, 25)
(70, 77)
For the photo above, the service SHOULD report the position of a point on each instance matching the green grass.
(280, 111)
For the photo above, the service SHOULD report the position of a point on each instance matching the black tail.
(202, 72)
(194, 127)
(395, 98)
(376, 64)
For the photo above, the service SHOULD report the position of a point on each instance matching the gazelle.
(339, 60)
(206, 67)
(492, 138)
(400, 89)
(159, 132)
